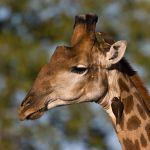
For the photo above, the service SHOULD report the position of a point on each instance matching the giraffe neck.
(133, 130)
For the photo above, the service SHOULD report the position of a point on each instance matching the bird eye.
(80, 69)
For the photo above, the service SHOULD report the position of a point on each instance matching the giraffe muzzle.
(32, 109)
(31, 114)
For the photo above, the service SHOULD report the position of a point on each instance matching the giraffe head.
(74, 74)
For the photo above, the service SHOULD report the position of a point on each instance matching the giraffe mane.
(136, 80)
(127, 69)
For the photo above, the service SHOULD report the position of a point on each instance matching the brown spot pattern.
(123, 86)
(147, 128)
(133, 123)
(139, 98)
(129, 145)
(141, 112)
(142, 89)
(143, 141)
(128, 103)
(137, 145)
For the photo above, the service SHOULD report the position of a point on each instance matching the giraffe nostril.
(22, 103)
(26, 101)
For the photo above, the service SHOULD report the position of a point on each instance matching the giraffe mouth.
(31, 114)
(36, 115)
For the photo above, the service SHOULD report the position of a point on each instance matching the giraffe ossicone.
(93, 69)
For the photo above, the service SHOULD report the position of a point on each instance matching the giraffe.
(93, 69)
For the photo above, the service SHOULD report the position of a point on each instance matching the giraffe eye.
(80, 69)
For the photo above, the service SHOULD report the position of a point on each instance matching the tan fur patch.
(133, 123)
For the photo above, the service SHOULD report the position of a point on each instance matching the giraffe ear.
(116, 52)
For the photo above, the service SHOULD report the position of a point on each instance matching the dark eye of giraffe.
(80, 69)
